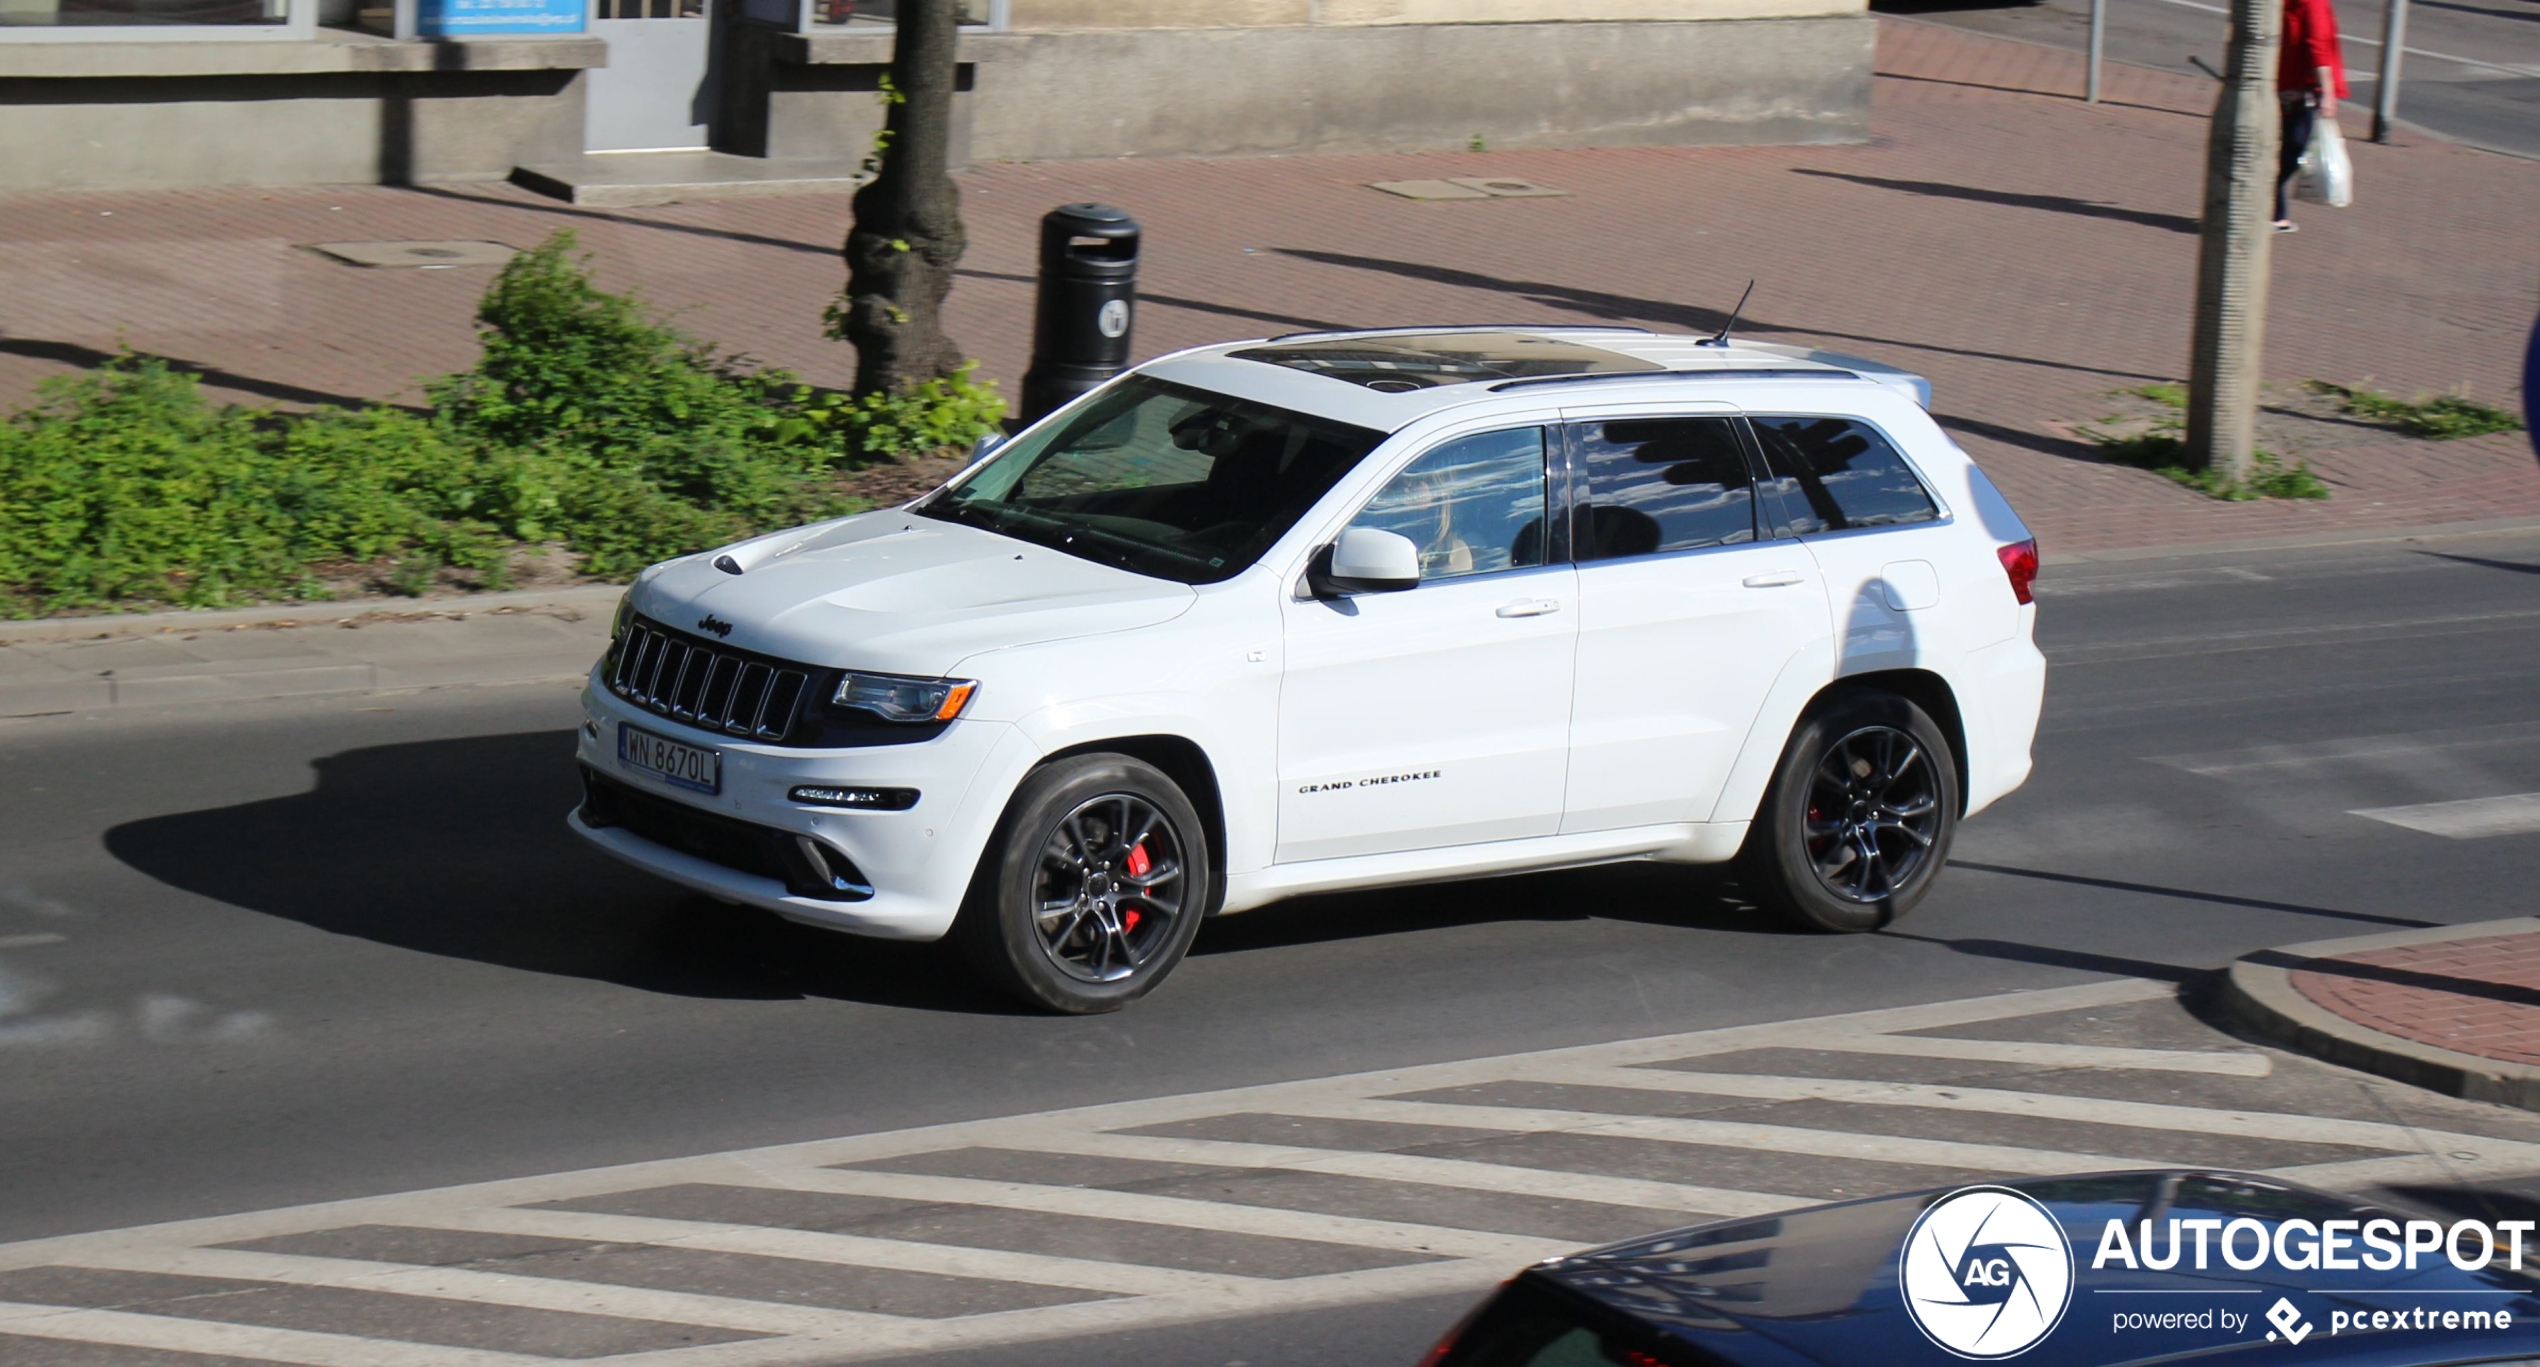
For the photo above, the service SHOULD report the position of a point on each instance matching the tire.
(1065, 916)
(1863, 864)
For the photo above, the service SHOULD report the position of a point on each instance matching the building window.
(62, 14)
(824, 13)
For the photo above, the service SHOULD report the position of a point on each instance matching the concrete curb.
(2356, 536)
(581, 598)
(95, 664)
(2259, 993)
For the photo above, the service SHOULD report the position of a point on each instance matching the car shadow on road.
(459, 848)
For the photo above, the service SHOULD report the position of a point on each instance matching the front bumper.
(917, 863)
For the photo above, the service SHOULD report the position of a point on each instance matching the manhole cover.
(1429, 189)
(1468, 187)
(427, 255)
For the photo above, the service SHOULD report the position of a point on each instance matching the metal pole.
(2099, 43)
(2385, 95)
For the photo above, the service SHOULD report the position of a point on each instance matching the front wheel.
(1859, 817)
(1092, 889)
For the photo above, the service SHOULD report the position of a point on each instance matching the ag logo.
(1986, 1273)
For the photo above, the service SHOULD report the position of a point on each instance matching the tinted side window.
(1664, 484)
(1472, 506)
(1831, 474)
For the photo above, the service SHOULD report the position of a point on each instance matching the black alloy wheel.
(1873, 813)
(1109, 889)
(1092, 888)
(1857, 823)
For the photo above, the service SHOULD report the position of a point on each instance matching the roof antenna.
(1723, 338)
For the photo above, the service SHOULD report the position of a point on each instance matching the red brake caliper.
(1137, 863)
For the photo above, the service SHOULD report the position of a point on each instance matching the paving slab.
(2029, 252)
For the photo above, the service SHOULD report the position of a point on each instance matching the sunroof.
(1424, 360)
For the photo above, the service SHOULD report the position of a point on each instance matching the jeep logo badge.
(722, 629)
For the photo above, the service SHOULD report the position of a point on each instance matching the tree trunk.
(2232, 255)
(908, 235)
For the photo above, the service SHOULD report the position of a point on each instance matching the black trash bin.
(1088, 299)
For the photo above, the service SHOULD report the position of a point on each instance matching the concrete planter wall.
(1381, 88)
(340, 111)
(345, 108)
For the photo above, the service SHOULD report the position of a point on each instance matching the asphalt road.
(2471, 71)
(262, 955)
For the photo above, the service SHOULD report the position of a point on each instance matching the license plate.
(689, 766)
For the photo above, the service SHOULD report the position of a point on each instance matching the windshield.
(1160, 479)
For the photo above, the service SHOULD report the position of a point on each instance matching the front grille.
(692, 680)
(806, 866)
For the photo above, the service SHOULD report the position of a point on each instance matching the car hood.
(899, 593)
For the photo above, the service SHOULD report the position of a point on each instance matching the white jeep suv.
(1342, 610)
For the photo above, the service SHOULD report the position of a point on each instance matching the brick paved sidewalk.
(2474, 996)
(2029, 252)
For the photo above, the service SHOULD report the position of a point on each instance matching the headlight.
(625, 614)
(893, 698)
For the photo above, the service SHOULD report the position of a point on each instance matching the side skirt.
(1676, 843)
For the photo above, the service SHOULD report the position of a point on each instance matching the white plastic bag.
(2328, 174)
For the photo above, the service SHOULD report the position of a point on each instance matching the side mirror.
(988, 446)
(1365, 560)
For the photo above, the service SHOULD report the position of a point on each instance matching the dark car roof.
(1820, 1284)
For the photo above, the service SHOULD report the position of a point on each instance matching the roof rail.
(1724, 373)
(1461, 327)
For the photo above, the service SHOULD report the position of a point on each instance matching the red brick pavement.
(2026, 251)
(2478, 997)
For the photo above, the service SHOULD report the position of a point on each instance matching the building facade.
(126, 93)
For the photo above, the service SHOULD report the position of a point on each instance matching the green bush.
(2164, 453)
(2442, 417)
(123, 485)
(586, 421)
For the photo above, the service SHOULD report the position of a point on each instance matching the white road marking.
(2303, 757)
(2229, 1063)
(2375, 42)
(1876, 1148)
(2278, 638)
(1176, 1212)
(42, 937)
(2147, 1115)
(2472, 819)
(1417, 1168)
(852, 1250)
(1145, 1295)
(491, 1288)
(124, 1329)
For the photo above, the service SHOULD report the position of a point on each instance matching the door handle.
(1773, 581)
(1531, 607)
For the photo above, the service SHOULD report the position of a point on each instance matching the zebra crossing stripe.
(2144, 1115)
(1274, 1257)
(1413, 1168)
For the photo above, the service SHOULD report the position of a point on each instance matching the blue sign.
(467, 18)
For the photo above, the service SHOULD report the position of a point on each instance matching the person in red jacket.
(2310, 78)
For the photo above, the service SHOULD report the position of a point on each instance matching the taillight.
(1446, 1344)
(2019, 560)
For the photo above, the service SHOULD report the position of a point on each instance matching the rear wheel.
(1093, 887)
(1858, 821)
